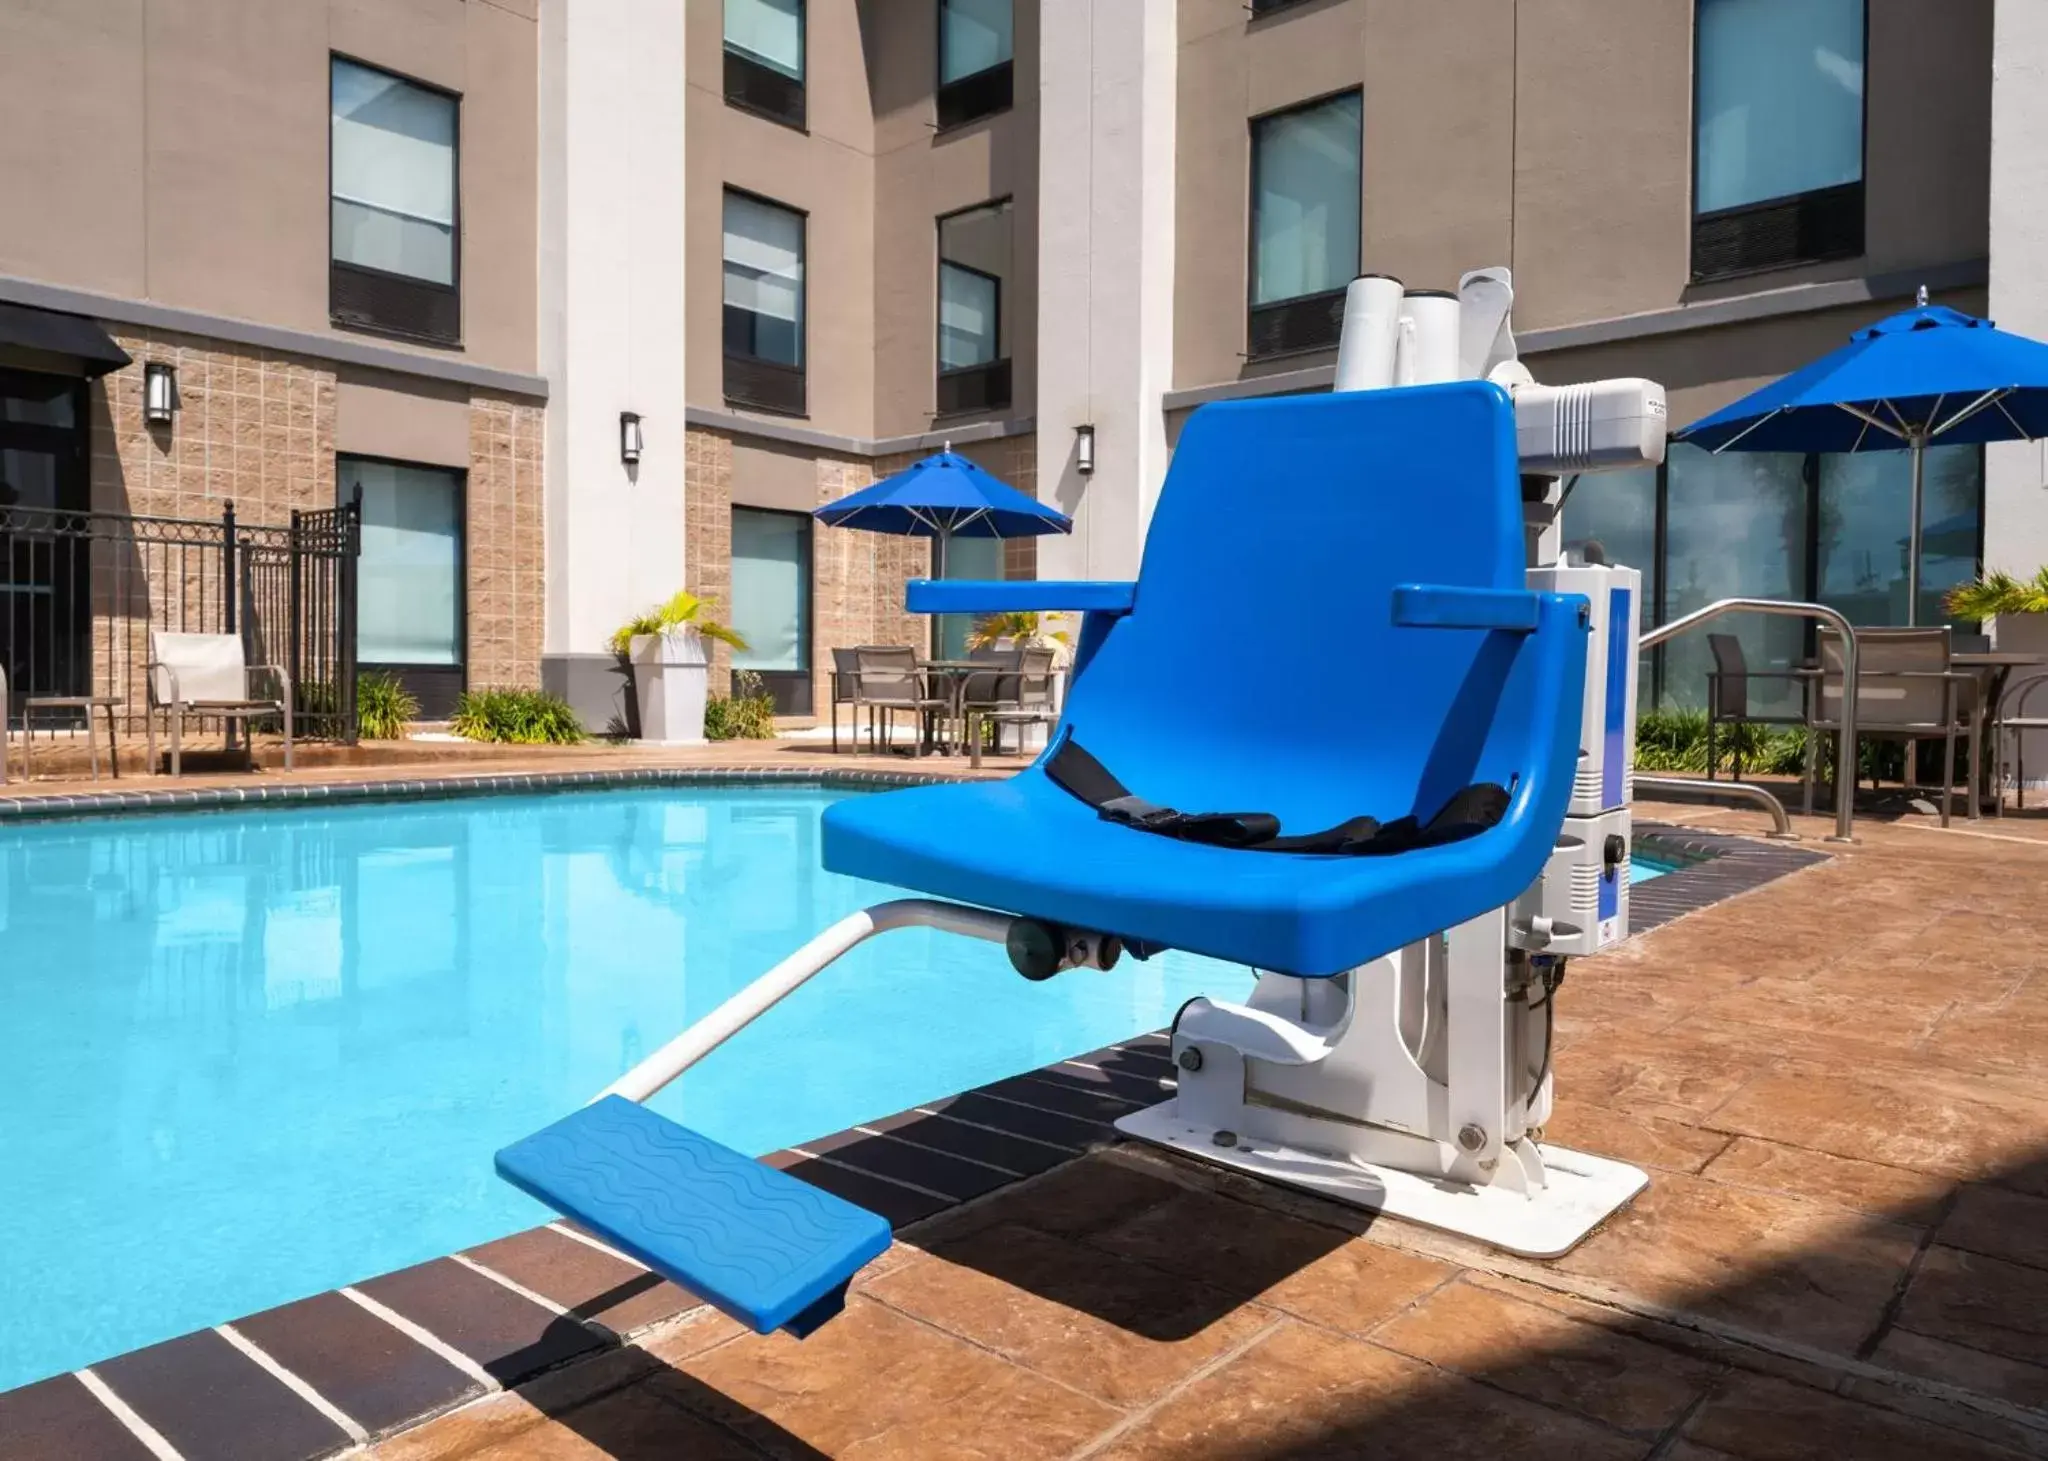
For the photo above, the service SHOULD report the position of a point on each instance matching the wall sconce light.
(630, 440)
(159, 393)
(1084, 450)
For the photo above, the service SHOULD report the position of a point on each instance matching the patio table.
(1993, 668)
(952, 676)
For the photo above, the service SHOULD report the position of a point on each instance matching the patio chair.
(1031, 700)
(1440, 782)
(203, 676)
(1906, 691)
(997, 689)
(2013, 717)
(1728, 685)
(889, 680)
(845, 690)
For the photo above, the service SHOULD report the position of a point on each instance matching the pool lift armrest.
(767, 1248)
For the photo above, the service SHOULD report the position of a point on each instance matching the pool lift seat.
(1361, 558)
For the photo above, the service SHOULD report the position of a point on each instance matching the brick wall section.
(257, 428)
(857, 578)
(254, 427)
(707, 545)
(507, 584)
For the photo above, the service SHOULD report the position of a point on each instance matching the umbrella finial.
(948, 443)
(1921, 301)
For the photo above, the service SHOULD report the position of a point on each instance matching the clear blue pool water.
(1643, 867)
(246, 1058)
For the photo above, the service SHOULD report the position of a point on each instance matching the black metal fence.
(81, 591)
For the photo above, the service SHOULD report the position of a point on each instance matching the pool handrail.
(1845, 751)
(742, 1009)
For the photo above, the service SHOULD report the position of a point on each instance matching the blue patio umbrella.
(1928, 376)
(944, 497)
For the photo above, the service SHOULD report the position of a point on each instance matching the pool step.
(770, 1250)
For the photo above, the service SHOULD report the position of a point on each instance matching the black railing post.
(295, 612)
(350, 543)
(227, 568)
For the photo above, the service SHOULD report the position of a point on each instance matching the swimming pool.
(249, 1057)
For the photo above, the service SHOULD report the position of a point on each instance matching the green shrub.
(520, 717)
(748, 714)
(384, 707)
(1676, 740)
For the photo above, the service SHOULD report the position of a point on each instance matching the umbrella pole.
(1913, 541)
(939, 572)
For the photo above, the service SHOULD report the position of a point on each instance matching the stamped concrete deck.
(1843, 1252)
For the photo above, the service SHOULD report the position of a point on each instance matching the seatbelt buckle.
(1135, 811)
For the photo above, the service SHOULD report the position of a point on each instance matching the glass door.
(409, 577)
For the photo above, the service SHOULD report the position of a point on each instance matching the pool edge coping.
(63, 806)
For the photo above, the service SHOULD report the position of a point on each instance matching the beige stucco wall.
(175, 151)
(827, 172)
(1554, 135)
(873, 175)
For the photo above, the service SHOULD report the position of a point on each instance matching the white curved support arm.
(665, 1064)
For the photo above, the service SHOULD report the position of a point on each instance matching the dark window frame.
(1799, 210)
(796, 402)
(964, 100)
(993, 377)
(793, 690)
(434, 685)
(1305, 312)
(426, 287)
(743, 68)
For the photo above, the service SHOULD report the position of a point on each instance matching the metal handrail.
(1722, 791)
(1845, 748)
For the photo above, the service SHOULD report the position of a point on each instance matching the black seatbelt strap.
(1467, 814)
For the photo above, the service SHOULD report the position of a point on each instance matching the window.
(764, 304)
(394, 243)
(1736, 525)
(771, 602)
(1822, 528)
(1778, 134)
(976, 46)
(1866, 516)
(1305, 219)
(764, 58)
(409, 575)
(974, 330)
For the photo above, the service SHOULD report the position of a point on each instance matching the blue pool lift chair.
(1359, 558)
(1357, 562)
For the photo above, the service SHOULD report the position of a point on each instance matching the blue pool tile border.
(360, 1349)
(221, 798)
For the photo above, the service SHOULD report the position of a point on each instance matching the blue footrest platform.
(772, 1251)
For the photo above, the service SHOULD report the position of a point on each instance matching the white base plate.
(1583, 1190)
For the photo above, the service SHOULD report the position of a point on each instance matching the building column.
(611, 319)
(2016, 473)
(2015, 497)
(1105, 273)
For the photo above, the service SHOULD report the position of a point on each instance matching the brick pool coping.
(322, 1374)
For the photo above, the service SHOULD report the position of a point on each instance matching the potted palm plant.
(670, 654)
(2014, 611)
